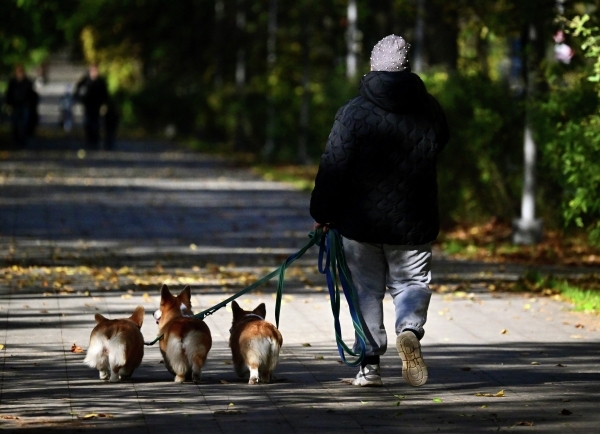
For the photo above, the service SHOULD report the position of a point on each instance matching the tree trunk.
(351, 44)
(269, 148)
(240, 75)
(219, 16)
(305, 102)
(442, 34)
(419, 42)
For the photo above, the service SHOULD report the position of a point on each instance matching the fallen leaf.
(1, 346)
(484, 406)
(319, 357)
(7, 416)
(560, 365)
(231, 404)
(500, 394)
(503, 331)
(535, 363)
(400, 396)
(224, 382)
(147, 297)
(437, 400)
(95, 415)
(579, 326)
(126, 296)
(524, 423)
(228, 362)
(364, 402)
(306, 344)
(76, 349)
(565, 412)
(577, 336)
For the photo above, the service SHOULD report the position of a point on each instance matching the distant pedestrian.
(66, 109)
(22, 100)
(92, 92)
(377, 186)
(111, 123)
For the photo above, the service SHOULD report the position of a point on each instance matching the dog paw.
(253, 380)
(179, 378)
(196, 378)
(104, 375)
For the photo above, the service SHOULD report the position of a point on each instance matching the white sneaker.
(414, 370)
(368, 376)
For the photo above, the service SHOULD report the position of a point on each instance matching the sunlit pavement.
(99, 232)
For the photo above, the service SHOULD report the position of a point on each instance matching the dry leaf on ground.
(76, 349)
(95, 415)
(524, 423)
(500, 394)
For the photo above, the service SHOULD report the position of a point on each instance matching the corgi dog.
(255, 344)
(116, 346)
(186, 341)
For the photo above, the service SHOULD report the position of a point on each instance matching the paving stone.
(165, 212)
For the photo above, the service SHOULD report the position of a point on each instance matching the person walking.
(23, 100)
(92, 92)
(377, 186)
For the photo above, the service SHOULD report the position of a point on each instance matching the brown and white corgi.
(116, 346)
(255, 344)
(186, 341)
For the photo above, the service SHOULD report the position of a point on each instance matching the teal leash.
(332, 263)
(314, 239)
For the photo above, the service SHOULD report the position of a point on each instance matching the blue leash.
(332, 263)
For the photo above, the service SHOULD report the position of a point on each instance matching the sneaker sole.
(414, 370)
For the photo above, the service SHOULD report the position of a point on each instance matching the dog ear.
(261, 310)
(164, 293)
(236, 309)
(99, 318)
(185, 296)
(138, 316)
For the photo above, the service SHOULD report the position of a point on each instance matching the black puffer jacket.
(377, 178)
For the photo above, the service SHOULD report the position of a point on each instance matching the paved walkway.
(102, 232)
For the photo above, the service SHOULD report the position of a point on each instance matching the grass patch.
(583, 293)
(301, 177)
(492, 242)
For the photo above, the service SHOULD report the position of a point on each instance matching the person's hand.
(319, 225)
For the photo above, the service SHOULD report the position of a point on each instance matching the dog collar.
(249, 315)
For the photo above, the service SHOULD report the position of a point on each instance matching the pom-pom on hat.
(390, 54)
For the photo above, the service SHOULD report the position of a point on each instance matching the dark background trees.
(266, 77)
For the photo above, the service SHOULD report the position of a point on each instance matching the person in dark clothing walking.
(22, 99)
(377, 186)
(92, 92)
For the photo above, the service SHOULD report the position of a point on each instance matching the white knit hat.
(390, 54)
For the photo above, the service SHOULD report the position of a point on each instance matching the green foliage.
(28, 30)
(568, 129)
(477, 170)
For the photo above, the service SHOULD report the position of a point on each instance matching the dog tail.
(96, 353)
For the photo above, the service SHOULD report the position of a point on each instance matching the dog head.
(137, 318)
(239, 314)
(172, 306)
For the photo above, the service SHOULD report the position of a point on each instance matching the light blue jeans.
(405, 271)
